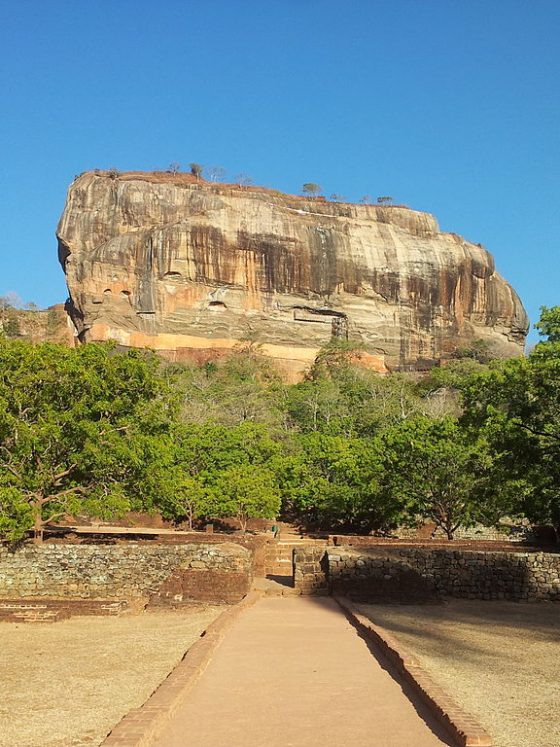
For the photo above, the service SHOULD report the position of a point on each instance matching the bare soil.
(67, 684)
(499, 660)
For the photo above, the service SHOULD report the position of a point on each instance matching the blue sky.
(450, 106)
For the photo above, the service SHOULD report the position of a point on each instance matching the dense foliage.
(94, 431)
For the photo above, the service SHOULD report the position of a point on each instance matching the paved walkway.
(293, 672)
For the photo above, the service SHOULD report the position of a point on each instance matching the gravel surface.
(499, 660)
(67, 684)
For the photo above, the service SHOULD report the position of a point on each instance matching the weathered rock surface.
(38, 325)
(190, 267)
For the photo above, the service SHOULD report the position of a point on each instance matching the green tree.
(435, 471)
(548, 327)
(190, 462)
(332, 482)
(549, 323)
(244, 388)
(196, 170)
(179, 494)
(517, 406)
(340, 397)
(73, 430)
(246, 492)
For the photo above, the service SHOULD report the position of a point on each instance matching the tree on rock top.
(311, 189)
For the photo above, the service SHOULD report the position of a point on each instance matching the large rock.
(38, 325)
(189, 267)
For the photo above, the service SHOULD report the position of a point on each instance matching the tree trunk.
(38, 526)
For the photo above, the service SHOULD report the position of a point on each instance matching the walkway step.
(275, 588)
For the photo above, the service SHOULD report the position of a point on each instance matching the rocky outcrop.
(38, 325)
(190, 267)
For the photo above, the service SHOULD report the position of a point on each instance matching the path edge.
(140, 726)
(462, 726)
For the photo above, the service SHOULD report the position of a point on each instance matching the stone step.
(271, 588)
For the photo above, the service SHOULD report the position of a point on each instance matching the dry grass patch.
(67, 684)
(499, 660)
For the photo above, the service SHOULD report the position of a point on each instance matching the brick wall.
(416, 574)
(127, 571)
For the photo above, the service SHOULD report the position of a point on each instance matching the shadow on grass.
(472, 630)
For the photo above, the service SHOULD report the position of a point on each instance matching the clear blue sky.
(450, 106)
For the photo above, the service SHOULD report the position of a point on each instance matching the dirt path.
(292, 672)
(66, 684)
(499, 660)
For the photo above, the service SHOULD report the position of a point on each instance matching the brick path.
(292, 672)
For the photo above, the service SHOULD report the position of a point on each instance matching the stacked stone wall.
(456, 573)
(127, 571)
(310, 570)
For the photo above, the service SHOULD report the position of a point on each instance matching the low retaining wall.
(256, 544)
(54, 610)
(420, 574)
(212, 573)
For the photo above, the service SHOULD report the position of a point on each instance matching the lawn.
(66, 684)
(499, 660)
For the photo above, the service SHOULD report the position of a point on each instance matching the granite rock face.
(194, 268)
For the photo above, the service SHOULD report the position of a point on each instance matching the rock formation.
(38, 325)
(189, 267)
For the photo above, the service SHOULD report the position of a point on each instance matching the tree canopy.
(94, 431)
(72, 429)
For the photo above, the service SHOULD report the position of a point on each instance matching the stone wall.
(128, 571)
(429, 533)
(256, 543)
(420, 574)
(507, 532)
(311, 570)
